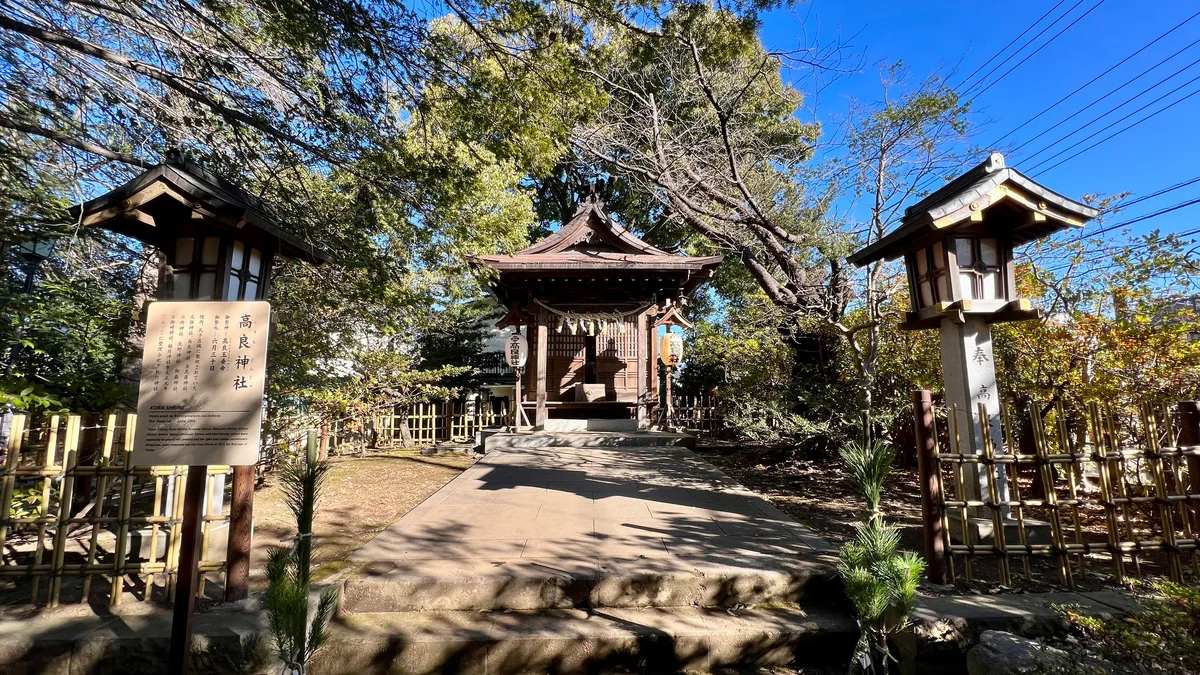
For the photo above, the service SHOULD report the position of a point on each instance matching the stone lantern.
(957, 246)
(218, 243)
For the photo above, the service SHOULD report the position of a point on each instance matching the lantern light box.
(958, 243)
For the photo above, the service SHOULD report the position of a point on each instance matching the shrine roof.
(1041, 211)
(591, 241)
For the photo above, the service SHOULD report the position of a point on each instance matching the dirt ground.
(818, 493)
(361, 497)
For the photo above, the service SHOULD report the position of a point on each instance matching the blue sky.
(938, 34)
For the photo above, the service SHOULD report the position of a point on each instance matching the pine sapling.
(880, 580)
(297, 637)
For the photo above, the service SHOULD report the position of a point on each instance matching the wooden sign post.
(200, 404)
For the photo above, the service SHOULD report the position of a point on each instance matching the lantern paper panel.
(670, 349)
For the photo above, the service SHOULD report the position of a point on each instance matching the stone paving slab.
(588, 502)
(574, 641)
(946, 626)
(561, 527)
(223, 642)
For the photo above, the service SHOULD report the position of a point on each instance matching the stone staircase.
(634, 555)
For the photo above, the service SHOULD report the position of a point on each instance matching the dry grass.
(362, 497)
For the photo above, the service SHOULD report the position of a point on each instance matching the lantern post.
(670, 353)
(217, 243)
(957, 244)
(516, 353)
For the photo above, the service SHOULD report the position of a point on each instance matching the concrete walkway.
(583, 504)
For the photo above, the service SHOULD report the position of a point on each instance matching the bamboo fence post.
(1046, 471)
(47, 480)
(999, 535)
(66, 498)
(931, 486)
(119, 552)
(12, 457)
(1161, 503)
(1188, 414)
(1018, 505)
(110, 428)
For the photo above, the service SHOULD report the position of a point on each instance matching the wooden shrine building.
(590, 298)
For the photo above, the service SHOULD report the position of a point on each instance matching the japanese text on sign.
(200, 397)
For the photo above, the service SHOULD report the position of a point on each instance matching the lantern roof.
(173, 198)
(592, 241)
(991, 197)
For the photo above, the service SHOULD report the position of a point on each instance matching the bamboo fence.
(1105, 493)
(74, 508)
(699, 414)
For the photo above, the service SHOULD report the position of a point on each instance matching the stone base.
(982, 529)
(627, 424)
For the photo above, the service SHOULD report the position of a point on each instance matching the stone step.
(570, 425)
(549, 583)
(582, 439)
(647, 640)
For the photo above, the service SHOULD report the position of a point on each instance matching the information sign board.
(201, 394)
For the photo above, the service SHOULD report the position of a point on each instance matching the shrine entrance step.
(586, 439)
(593, 424)
(590, 552)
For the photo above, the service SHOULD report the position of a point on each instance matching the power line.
(1111, 110)
(1079, 18)
(1126, 204)
(1125, 128)
(1011, 43)
(1094, 79)
(1130, 247)
(1020, 49)
(1148, 216)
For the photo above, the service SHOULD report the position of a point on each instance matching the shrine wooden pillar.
(642, 412)
(652, 362)
(543, 331)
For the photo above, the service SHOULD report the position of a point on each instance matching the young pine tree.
(880, 580)
(297, 637)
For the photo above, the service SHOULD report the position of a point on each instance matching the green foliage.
(27, 502)
(289, 571)
(868, 466)
(1161, 636)
(881, 581)
(21, 395)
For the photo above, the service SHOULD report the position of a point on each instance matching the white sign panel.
(516, 352)
(201, 393)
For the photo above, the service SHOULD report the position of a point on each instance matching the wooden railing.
(1106, 493)
(73, 508)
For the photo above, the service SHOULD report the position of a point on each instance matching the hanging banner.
(200, 399)
(670, 349)
(516, 352)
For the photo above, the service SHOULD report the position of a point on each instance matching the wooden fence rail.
(1107, 492)
(74, 508)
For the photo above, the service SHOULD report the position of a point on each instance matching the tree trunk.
(406, 438)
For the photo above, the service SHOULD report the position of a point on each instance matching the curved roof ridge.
(590, 220)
